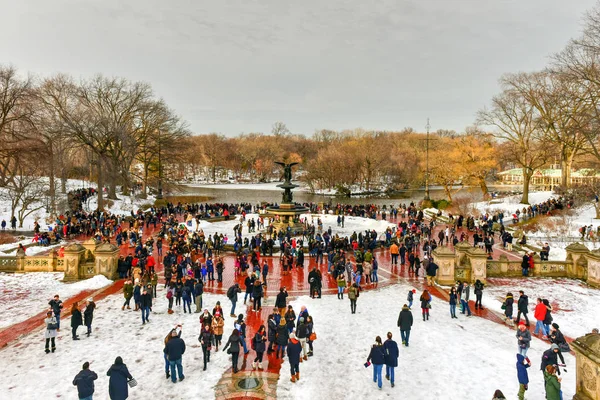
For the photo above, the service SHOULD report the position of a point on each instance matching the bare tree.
(279, 129)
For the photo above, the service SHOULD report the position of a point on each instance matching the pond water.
(248, 195)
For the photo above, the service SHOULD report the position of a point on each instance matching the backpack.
(230, 292)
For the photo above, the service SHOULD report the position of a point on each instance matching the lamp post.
(159, 190)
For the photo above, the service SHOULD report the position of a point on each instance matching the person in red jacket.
(540, 315)
(150, 263)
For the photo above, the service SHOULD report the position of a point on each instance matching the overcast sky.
(238, 66)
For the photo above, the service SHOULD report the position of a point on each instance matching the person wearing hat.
(84, 381)
(410, 297)
(522, 364)
(524, 338)
(50, 332)
(294, 348)
(218, 324)
(88, 315)
(551, 356)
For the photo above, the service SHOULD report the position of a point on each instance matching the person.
(198, 291)
(310, 326)
(452, 301)
(431, 272)
(206, 339)
(410, 297)
(174, 349)
(539, 314)
(260, 337)
(127, 294)
(290, 318)
(234, 342)
(552, 383)
(557, 337)
(478, 294)
(551, 356)
(548, 319)
(353, 294)
(314, 280)
(525, 265)
(281, 338)
(390, 348)
(498, 395)
(545, 252)
(280, 300)
(294, 348)
(302, 336)
(508, 308)
(145, 305)
(464, 299)
(377, 357)
(522, 364)
(240, 325)
(257, 294)
(341, 284)
(84, 381)
(522, 307)
(177, 330)
(218, 324)
(232, 295)
(524, 338)
(76, 320)
(272, 330)
(118, 389)
(50, 332)
(405, 321)
(425, 304)
(56, 305)
(88, 315)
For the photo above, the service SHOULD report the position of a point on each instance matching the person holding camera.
(51, 331)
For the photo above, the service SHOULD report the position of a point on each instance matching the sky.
(238, 66)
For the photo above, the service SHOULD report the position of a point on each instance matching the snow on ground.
(25, 295)
(351, 225)
(116, 333)
(464, 358)
(510, 204)
(574, 304)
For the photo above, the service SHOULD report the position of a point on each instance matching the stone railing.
(468, 263)
(80, 261)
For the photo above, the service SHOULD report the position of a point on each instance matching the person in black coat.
(206, 339)
(146, 305)
(282, 338)
(88, 315)
(234, 342)
(84, 381)
(377, 357)
(314, 280)
(550, 357)
(405, 321)
(280, 301)
(117, 385)
(174, 350)
(259, 346)
(294, 348)
(390, 348)
(522, 307)
(76, 320)
(271, 330)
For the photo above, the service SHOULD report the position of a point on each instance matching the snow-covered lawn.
(510, 204)
(575, 305)
(25, 295)
(466, 358)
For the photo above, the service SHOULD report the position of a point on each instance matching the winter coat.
(88, 314)
(76, 319)
(453, 298)
(522, 370)
(84, 381)
(294, 348)
(302, 331)
(478, 287)
(509, 305)
(272, 330)
(259, 343)
(217, 325)
(552, 386)
(205, 338)
(174, 349)
(56, 306)
(548, 318)
(465, 293)
(280, 301)
(540, 312)
(432, 269)
(377, 355)
(128, 290)
(548, 358)
(390, 349)
(282, 335)
(50, 333)
(410, 296)
(234, 342)
(257, 292)
(290, 317)
(526, 338)
(353, 293)
(117, 385)
(523, 304)
(405, 319)
(146, 300)
(425, 301)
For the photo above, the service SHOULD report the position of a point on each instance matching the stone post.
(461, 252)
(587, 355)
(446, 260)
(90, 247)
(107, 257)
(575, 253)
(593, 268)
(477, 259)
(73, 256)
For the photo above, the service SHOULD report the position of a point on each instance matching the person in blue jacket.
(522, 365)
(377, 358)
(117, 385)
(391, 357)
(84, 381)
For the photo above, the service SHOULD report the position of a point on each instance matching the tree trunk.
(597, 207)
(100, 185)
(526, 179)
(214, 173)
(51, 187)
(484, 189)
(112, 180)
(63, 180)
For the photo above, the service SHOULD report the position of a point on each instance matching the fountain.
(287, 212)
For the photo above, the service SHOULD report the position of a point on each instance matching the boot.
(305, 358)
(122, 308)
(168, 375)
(47, 350)
(254, 366)
(427, 316)
(298, 376)
(423, 316)
(53, 349)
(129, 308)
(293, 378)
(233, 315)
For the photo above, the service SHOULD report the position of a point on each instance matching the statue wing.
(294, 163)
(279, 163)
